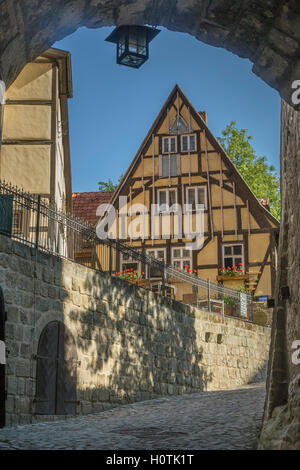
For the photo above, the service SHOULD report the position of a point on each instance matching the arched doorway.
(2, 360)
(56, 375)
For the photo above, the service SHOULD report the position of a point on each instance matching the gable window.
(196, 195)
(169, 144)
(179, 126)
(233, 255)
(160, 255)
(188, 143)
(181, 257)
(166, 199)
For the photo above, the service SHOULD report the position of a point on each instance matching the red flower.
(189, 270)
(186, 267)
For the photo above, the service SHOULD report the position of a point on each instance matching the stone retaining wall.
(131, 344)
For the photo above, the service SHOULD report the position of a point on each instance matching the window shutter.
(160, 166)
(178, 164)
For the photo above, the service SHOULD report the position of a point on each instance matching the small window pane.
(201, 196)
(173, 165)
(227, 250)
(162, 197)
(172, 197)
(237, 249)
(160, 254)
(191, 197)
(184, 143)
(176, 253)
(165, 165)
(237, 261)
(228, 262)
(192, 142)
(173, 144)
(165, 145)
(186, 253)
(176, 264)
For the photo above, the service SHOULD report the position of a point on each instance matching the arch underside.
(266, 32)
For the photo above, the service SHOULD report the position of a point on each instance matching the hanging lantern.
(132, 44)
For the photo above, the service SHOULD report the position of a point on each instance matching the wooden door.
(56, 371)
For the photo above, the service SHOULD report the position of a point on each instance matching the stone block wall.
(131, 344)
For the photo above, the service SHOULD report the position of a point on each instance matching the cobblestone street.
(209, 420)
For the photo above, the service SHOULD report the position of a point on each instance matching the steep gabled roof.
(85, 205)
(243, 186)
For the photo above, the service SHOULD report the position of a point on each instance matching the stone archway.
(265, 31)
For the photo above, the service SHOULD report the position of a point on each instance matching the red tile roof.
(85, 205)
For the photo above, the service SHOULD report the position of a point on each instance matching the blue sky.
(114, 106)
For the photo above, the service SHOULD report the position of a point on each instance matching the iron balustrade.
(37, 222)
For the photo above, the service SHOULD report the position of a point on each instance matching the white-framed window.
(128, 263)
(233, 255)
(196, 195)
(169, 144)
(159, 254)
(166, 198)
(169, 165)
(188, 143)
(181, 258)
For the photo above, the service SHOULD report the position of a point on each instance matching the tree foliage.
(108, 186)
(260, 177)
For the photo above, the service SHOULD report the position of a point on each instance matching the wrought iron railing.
(35, 221)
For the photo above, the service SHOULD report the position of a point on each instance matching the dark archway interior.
(268, 33)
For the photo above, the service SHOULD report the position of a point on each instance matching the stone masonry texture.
(281, 428)
(132, 345)
(267, 32)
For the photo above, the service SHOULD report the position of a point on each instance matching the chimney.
(203, 115)
(266, 203)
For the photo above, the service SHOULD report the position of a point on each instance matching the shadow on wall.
(133, 345)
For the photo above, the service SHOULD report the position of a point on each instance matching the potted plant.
(230, 305)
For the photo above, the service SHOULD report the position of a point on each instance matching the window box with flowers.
(133, 276)
(232, 276)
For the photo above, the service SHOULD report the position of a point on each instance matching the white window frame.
(167, 198)
(182, 258)
(233, 256)
(130, 261)
(196, 198)
(189, 143)
(155, 250)
(169, 145)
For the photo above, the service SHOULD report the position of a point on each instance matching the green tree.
(260, 177)
(108, 186)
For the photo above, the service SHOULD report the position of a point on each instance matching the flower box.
(233, 281)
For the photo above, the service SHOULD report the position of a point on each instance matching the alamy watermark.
(2, 92)
(133, 222)
(296, 93)
(296, 353)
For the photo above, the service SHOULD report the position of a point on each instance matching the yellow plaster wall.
(26, 166)
(27, 122)
(258, 244)
(33, 83)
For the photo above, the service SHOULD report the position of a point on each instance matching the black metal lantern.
(132, 44)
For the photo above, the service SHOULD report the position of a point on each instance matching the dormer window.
(169, 145)
(188, 143)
